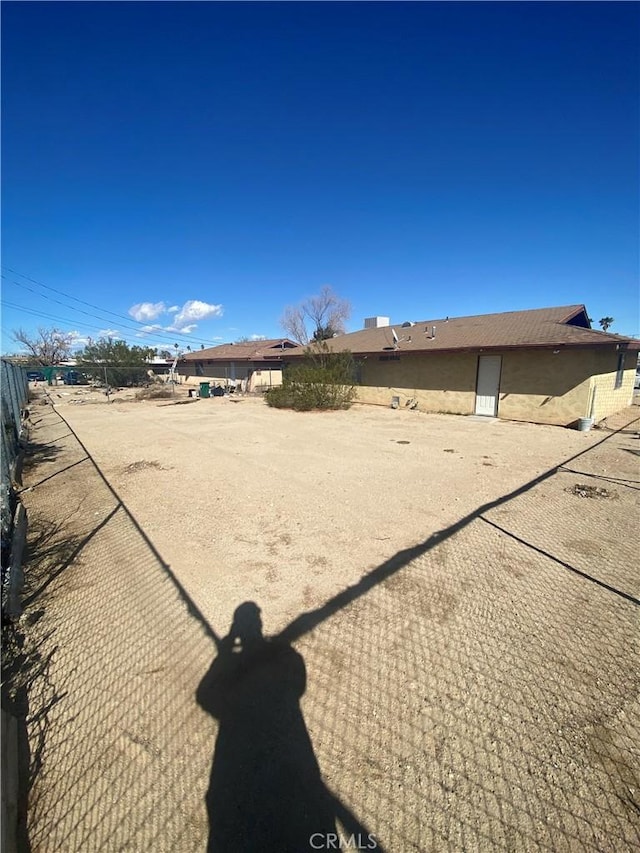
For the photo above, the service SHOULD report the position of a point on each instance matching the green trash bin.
(204, 389)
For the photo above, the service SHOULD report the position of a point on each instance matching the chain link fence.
(14, 390)
(478, 691)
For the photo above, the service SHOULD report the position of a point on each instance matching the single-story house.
(545, 365)
(254, 366)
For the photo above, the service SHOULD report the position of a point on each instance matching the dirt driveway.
(467, 619)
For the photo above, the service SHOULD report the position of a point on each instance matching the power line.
(45, 315)
(161, 345)
(163, 336)
(60, 292)
(57, 301)
(159, 334)
(74, 298)
(6, 333)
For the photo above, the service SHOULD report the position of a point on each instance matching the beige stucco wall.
(535, 385)
(219, 371)
(558, 388)
(543, 387)
(265, 378)
(260, 379)
(609, 399)
(439, 382)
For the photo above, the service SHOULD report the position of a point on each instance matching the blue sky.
(199, 166)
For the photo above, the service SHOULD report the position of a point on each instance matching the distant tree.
(124, 365)
(316, 318)
(605, 322)
(245, 339)
(165, 354)
(323, 333)
(49, 346)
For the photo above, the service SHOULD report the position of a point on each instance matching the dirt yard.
(467, 619)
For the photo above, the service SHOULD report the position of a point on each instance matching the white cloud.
(82, 339)
(185, 330)
(149, 330)
(258, 337)
(78, 340)
(193, 310)
(184, 320)
(145, 311)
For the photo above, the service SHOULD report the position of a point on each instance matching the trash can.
(585, 424)
(204, 389)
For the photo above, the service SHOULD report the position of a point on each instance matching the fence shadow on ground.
(28, 692)
(421, 776)
(38, 452)
(306, 622)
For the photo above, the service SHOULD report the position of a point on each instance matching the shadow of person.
(265, 792)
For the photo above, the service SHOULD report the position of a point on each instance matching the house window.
(389, 358)
(620, 371)
(199, 368)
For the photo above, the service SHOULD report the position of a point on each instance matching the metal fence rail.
(14, 393)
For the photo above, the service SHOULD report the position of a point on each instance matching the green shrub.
(322, 380)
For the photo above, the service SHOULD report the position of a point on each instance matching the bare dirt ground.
(468, 621)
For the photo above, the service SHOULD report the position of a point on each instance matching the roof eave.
(626, 344)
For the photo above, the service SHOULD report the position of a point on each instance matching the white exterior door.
(488, 385)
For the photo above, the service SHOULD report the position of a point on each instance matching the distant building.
(255, 366)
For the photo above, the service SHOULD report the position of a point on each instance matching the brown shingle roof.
(270, 350)
(540, 327)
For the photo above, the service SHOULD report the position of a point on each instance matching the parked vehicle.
(35, 376)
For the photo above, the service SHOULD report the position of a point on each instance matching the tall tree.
(605, 322)
(124, 365)
(316, 318)
(49, 346)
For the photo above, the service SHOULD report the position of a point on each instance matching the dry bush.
(154, 393)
